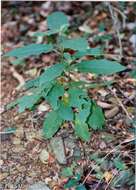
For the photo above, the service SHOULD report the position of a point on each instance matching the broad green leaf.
(102, 38)
(19, 61)
(81, 187)
(97, 51)
(82, 131)
(96, 119)
(83, 113)
(75, 44)
(65, 112)
(133, 74)
(67, 172)
(119, 164)
(27, 102)
(51, 73)
(11, 105)
(76, 97)
(29, 50)
(99, 175)
(100, 66)
(54, 94)
(77, 92)
(102, 27)
(51, 124)
(32, 83)
(57, 20)
(70, 183)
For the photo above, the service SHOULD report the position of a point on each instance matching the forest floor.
(109, 156)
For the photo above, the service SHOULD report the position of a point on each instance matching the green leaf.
(97, 51)
(75, 44)
(57, 20)
(51, 73)
(11, 105)
(83, 113)
(124, 178)
(100, 66)
(119, 164)
(29, 50)
(54, 94)
(27, 102)
(82, 131)
(76, 97)
(96, 119)
(32, 83)
(51, 124)
(65, 112)
(10, 130)
(67, 172)
(70, 183)
(133, 74)
(19, 61)
(102, 38)
(81, 187)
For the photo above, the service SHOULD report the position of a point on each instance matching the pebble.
(39, 186)
(16, 141)
(44, 156)
(58, 149)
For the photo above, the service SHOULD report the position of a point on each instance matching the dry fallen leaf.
(19, 132)
(104, 104)
(111, 113)
(3, 176)
(108, 176)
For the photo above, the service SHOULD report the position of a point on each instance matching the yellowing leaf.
(108, 176)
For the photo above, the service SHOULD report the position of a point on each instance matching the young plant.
(69, 99)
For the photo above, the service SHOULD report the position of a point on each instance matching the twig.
(122, 14)
(113, 150)
(18, 77)
(98, 184)
(120, 103)
(115, 23)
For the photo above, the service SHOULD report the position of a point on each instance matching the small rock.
(43, 107)
(44, 156)
(58, 149)
(16, 141)
(39, 186)
(111, 113)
